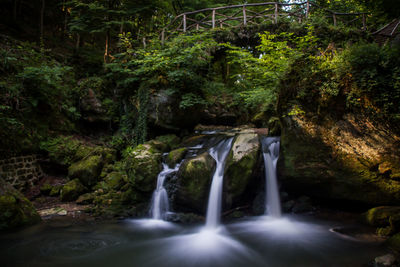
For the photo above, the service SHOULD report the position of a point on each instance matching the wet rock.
(45, 189)
(186, 218)
(380, 216)
(385, 260)
(302, 204)
(87, 170)
(55, 190)
(85, 199)
(57, 211)
(72, 190)
(240, 167)
(142, 166)
(394, 242)
(15, 209)
(176, 156)
(258, 206)
(171, 140)
(193, 182)
(339, 160)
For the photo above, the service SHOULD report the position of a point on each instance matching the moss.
(171, 140)
(55, 190)
(15, 209)
(115, 180)
(87, 170)
(87, 198)
(240, 166)
(72, 190)
(194, 181)
(45, 189)
(142, 166)
(394, 242)
(176, 156)
(380, 216)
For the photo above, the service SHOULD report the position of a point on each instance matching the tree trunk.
(106, 50)
(41, 20)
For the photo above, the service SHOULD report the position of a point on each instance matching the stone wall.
(22, 172)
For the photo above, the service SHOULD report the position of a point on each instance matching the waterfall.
(159, 201)
(270, 147)
(219, 153)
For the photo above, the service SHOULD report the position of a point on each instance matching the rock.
(171, 140)
(287, 206)
(240, 167)
(72, 190)
(176, 156)
(15, 209)
(115, 180)
(91, 108)
(258, 206)
(380, 216)
(142, 166)
(85, 199)
(87, 170)
(385, 260)
(45, 189)
(186, 218)
(302, 204)
(335, 159)
(394, 242)
(193, 182)
(53, 212)
(55, 190)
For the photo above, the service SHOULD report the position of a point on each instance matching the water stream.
(219, 153)
(270, 148)
(159, 202)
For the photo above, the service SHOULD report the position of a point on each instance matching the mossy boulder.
(113, 181)
(380, 216)
(240, 167)
(45, 189)
(176, 156)
(394, 242)
(84, 199)
(55, 190)
(142, 165)
(171, 140)
(87, 170)
(72, 190)
(338, 160)
(15, 209)
(193, 182)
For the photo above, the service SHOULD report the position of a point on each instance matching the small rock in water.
(53, 211)
(385, 260)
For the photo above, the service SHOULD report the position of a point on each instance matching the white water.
(219, 153)
(270, 146)
(159, 201)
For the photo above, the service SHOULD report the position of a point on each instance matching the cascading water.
(270, 147)
(219, 153)
(159, 201)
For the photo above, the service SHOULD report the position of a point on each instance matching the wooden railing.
(253, 14)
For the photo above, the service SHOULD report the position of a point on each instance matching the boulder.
(176, 156)
(240, 167)
(171, 140)
(87, 170)
(339, 160)
(142, 165)
(193, 183)
(380, 216)
(15, 209)
(394, 242)
(385, 260)
(72, 190)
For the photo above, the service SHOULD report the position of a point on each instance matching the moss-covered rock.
(240, 167)
(72, 190)
(380, 216)
(15, 209)
(394, 242)
(176, 156)
(55, 190)
(45, 189)
(339, 160)
(142, 165)
(171, 140)
(193, 182)
(84, 199)
(87, 170)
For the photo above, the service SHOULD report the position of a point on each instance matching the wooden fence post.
(213, 18)
(184, 22)
(244, 16)
(276, 12)
(334, 20)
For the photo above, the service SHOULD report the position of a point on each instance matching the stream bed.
(252, 241)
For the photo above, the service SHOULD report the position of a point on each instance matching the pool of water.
(254, 241)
